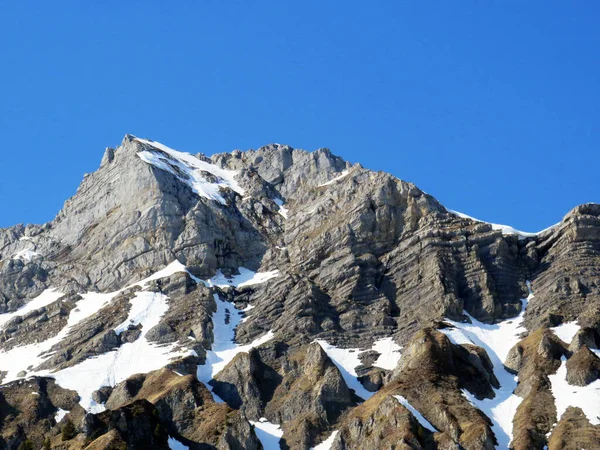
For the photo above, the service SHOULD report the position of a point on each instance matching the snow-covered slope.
(506, 229)
(203, 178)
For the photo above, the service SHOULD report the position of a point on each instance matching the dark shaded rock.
(102, 395)
(161, 334)
(239, 435)
(585, 337)
(131, 334)
(187, 410)
(136, 423)
(28, 409)
(247, 383)
(583, 367)
(374, 379)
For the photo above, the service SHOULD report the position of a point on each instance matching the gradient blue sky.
(491, 106)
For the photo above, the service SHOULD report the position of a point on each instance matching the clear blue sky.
(491, 106)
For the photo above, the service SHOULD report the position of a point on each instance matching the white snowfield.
(587, 397)
(496, 340)
(269, 434)
(326, 444)
(506, 229)
(179, 163)
(389, 353)
(224, 348)
(348, 359)
(26, 255)
(44, 299)
(19, 359)
(246, 278)
(171, 269)
(140, 356)
(60, 414)
(566, 331)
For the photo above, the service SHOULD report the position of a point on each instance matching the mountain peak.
(273, 292)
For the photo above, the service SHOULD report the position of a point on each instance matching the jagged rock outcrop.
(583, 367)
(442, 370)
(28, 411)
(186, 410)
(565, 277)
(383, 423)
(301, 389)
(574, 431)
(534, 359)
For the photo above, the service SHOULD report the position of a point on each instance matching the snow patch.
(245, 278)
(171, 269)
(389, 353)
(60, 414)
(110, 368)
(224, 348)
(422, 420)
(342, 175)
(142, 308)
(587, 397)
(140, 356)
(19, 359)
(496, 340)
(566, 331)
(25, 255)
(506, 229)
(326, 444)
(347, 360)
(246, 310)
(204, 179)
(44, 299)
(268, 433)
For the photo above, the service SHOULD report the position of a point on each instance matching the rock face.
(534, 359)
(383, 423)
(583, 368)
(443, 369)
(29, 410)
(278, 298)
(565, 276)
(574, 431)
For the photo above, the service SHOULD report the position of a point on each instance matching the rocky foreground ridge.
(279, 298)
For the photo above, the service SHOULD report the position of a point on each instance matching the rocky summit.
(284, 299)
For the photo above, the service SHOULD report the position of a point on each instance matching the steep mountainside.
(280, 298)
